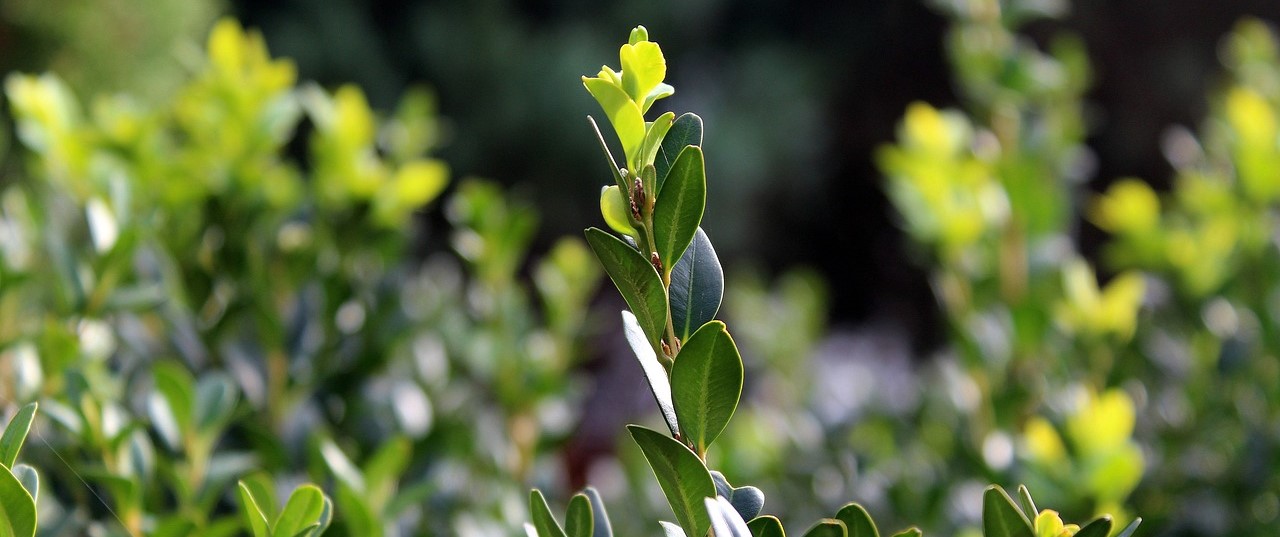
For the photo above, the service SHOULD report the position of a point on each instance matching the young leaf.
(827, 527)
(654, 372)
(599, 516)
(725, 520)
(706, 383)
(1100, 527)
(16, 433)
(635, 279)
(543, 521)
(697, 286)
(857, 521)
(679, 207)
(1001, 517)
(305, 507)
(30, 480)
(766, 526)
(685, 131)
(17, 507)
(909, 532)
(656, 131)
(622, 112)
(1028, 505)
(578, 519)
(684, 479)
(643, 68)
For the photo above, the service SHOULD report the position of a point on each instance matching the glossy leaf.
(15, 434)
(766, 526)
(654, 133)
(623, 113)
(17, 507)
(685, 131)
(600, 517)
(684, 479)
(543, 521)
(1100, 527)
(827, 527)
(616, 210)
(857, 521)
(697, 286)
(635, 279)
(706, 383)
(253, 514)
(1001, 517)
(725, 520)
(578, 519)
(678, 210)
(643, 68)
(654, 372)
(305, 507)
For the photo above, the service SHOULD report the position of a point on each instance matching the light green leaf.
(623, 113)
(635, 279)
(253, 515)
(643, 68)
(543, 521)
(684, 479)
(654, 372)
(30, 480)
(263, 492)
(685, 131)
(697, 286)
(661, 91)
(616, 209)
(578, 519)
(1001, 517)
(15, 434)
(356, 516)
(304, 508)
(857, 521)
(678, 210)
(600, 517)
(17, 507)
(827, 527)
(654, 133)
(1100, 527)
(706, 383)
(766, 526)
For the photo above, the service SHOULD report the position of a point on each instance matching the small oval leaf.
(543, 521)
(654, 372)
(857, 521)
(1001, 517)
(16, 433)
(697, 286)
(578, 520)
(600, 516)
(766, 526)
(684, 479)
(685, 131)
(679, 207)
(635, 279)
(17, 507)
(827, 527)
(706, 383)
(303, 510)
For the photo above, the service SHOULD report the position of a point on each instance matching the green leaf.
(1100, 527)
(1027, 504)
(1132, 527)
(616, 210)
(684, 479)
(685, 131)
(216, 398)
(654, 133)
(600, 517)
(578, 519)
(679, 207)
(654, 372)
(253, 515)
(748, 501)
(172, 406)
(643, 68)
(909, 532)
(543, 521)
(623, 113)
(827, 527)
(766, 526)
(706, 383)
(725, 520)
(30, 480)
(16, 433)
(17, 507)
(697, 286)
(661, 91)
(857, 521)
(263, 492)
(356, 516)
(304, 508)
(635, 279)
(1001, 517)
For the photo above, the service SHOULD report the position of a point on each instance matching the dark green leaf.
(600, 517)
(659, 384)
(682, 476)
(1027, 504)
(1100, 527)
(16, 433)
(1132, 527)
(827, 527)
(305, 507)
(909, 532)
(30, 480)
(748, 501)
(697, 286)
(635, 279)
(578, 519)
(858, 521)
(706, 383)
(686, 131)
(678, 209)
(1001, 517)
(253, 514)
(17, 508)
(543, 521)
(766, 526)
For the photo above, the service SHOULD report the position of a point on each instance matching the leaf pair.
(307, 513)
(586, 517)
